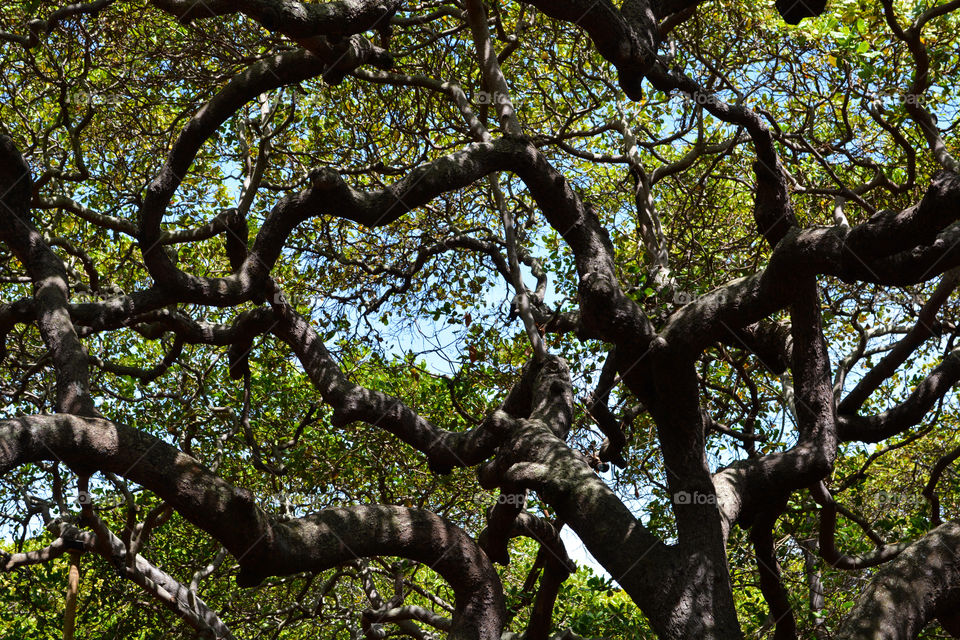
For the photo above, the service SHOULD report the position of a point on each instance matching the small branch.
(70, 602)
(39, 28)
(930, 490)
(828, 548)
(522, 298)
(494, 82)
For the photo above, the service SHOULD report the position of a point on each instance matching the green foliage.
(407, 312)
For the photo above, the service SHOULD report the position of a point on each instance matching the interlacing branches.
(203, 257)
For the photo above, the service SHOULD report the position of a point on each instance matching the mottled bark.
(50, 284)
(921, 584)
(264, 547)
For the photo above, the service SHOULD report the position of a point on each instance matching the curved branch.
(930, 489)
(535, 457)
(746, 487)
(771, 584)
(907, 247)
(156, 582)
(289, 17)
(827, 543)
(627, 37)
(146, 375)
(910, 412)
(50, 282)
(406, 612)
(921, 584)
(40, 28)
(269, 73)
(352, 402)
(597, 406)
(264, 547)
(925, 327)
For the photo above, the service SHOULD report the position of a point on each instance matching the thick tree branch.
(50, 282)
(747, 487)
(827, 541)
(628, 37)
(264, 547)
(352, 402)
(911, 590)
(262, 76)
(925, 328)
(771, 583)
(289, 17)
(40, 28)
(907, 247)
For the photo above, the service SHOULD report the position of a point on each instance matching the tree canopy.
(346, 318)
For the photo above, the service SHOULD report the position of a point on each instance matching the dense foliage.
(328, 318)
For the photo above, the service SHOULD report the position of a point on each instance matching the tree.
(338, 308)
